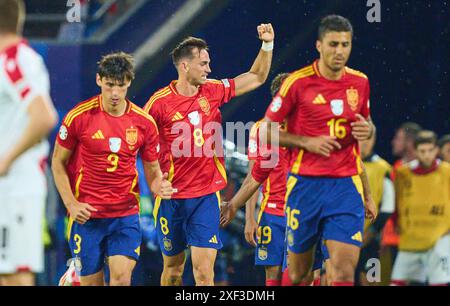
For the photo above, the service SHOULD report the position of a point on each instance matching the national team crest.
(262, 253)
(353, 98)
(78, 265)
(290, 238)
(167, 244)
(337, 107)
(194, 118)
(114, 144)
(204, 105)
(131, 136)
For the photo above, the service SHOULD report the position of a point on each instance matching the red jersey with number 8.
(191, 136)
(316, 106)
(107, 147)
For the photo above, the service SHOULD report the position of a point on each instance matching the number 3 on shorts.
(164, 225)
(77, 239)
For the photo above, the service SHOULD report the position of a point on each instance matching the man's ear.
(98, 79)
(184, 65)
(318, 45)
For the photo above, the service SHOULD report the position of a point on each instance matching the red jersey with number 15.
(316, 106)
(190, 136)
(106, 149)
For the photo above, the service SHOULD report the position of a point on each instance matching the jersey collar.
(422, 171)
(316, 70)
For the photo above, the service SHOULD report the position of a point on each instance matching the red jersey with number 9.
(315, 106)
(191, 136)
(106, 149)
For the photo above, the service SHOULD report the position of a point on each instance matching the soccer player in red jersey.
(107, 131)
(326, 105)
(187, 113)
(270, 227)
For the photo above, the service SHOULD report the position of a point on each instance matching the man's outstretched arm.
(259, 71)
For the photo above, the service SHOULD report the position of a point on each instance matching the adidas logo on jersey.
(177, 117)
(98, 135)
(213, 239)
(357, 237)
(319, 99)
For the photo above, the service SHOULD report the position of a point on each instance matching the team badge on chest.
(337, 107)
(131, 136)
(353, 98)
(114, 144)
(204, 105)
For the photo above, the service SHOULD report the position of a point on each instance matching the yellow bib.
(423, 204)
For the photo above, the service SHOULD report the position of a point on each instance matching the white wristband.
(267, 46)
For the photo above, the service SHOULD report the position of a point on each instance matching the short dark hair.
(184, 48)
(12, 16)
(425, 136)
(334, 23)
(276, 83)
(443, 140)
(118, 66)
(411, 129)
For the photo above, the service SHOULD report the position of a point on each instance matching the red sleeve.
(150, 148)
(225, 90)
(365, 110)
(282, 104)
(68, 133)
(259, 173)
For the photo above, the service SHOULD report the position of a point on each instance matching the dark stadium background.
(406, 56)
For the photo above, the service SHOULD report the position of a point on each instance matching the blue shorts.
(270, 245)
(321, 254)
(331, 208)
(91, 243)
(181, 223)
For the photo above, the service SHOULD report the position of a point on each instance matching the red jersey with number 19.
(315, 106)
(107, 147)
(190, 136)
(274, 176)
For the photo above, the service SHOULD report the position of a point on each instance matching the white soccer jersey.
(23, 77)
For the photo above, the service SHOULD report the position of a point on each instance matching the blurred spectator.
(444, 148)
(402, 147)
(27, 116)
(423, 208)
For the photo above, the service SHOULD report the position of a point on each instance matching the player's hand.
(165, 189)
(322, 145)
(265, 32)
(371, 209)
(81, 212)
(227, 213)
(4, 167)
(251, 231)
(361, 129)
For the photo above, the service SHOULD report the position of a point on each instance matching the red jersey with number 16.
(190, 136)
(316, 106)
(106, 148)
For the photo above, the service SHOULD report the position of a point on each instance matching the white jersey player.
(26, 117)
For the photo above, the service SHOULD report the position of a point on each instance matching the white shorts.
(21, 243)
(432, 266)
